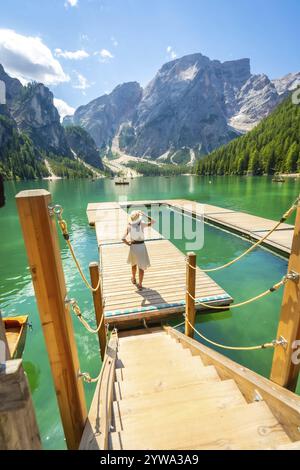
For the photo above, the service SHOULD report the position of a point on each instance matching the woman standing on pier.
(135, 239)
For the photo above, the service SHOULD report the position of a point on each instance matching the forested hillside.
(18, 157)
(271, 147)
(31, 132)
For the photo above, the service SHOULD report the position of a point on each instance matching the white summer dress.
(138, 254)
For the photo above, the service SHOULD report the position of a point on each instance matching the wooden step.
(190, 400)
(291, 446)
(155, 341)
(132, 388)
(245, 427)
(148, 370)
(146, 350)
(154, 357)
(142, 336)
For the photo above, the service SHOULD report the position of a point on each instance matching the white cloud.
(82, 82)
(63, 108)
(105, 55)
(72, 55)
(71, 3)
(172, 54)
(29, 59)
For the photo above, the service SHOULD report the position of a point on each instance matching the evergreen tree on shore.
(271, 147)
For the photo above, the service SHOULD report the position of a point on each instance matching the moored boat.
(16, 331)
(278, 179)
(121, 181)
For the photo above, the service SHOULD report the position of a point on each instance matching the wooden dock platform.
(240, 223)
(165, 281)
(246, 225)
(164, 284)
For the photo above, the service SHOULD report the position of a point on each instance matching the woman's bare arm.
(150, 220)
(124, 238)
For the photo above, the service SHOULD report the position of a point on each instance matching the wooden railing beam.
(286, 365)
(190, 309)
(41, 242)
(98, 306)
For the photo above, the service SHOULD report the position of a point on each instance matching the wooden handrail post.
(98, 306)
(285, 370)
(18, 426)
(190, 311)
(41, 242)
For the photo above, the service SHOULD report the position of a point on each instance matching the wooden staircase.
(166, 391)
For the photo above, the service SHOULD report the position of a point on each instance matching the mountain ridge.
(31, 132)
(192, 102)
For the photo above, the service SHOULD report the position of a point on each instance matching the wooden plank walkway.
(164, 284)
(246, 225)
(165, 281)
(241, 223)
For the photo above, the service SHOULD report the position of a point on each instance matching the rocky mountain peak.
(103, 116)
(192, 102)
(36, 115)
(12, 85)
(236, 72)
(254, 101)
(289, 82)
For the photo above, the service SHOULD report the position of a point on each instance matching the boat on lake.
(121, 181)
(278, 179)
(16, 331)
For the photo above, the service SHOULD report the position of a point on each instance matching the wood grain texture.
(98, 306)
(18, 425)
(41, 242)
(285, 369)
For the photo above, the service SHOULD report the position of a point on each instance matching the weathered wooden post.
(285, 370)
(41, 241)
(98, 305)
(190, 311)
(18, 426)
(4, 344)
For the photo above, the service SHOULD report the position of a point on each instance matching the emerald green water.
(251, 325)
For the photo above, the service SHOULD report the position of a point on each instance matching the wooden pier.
(246, 225)
(164, 292)
(158, 389)
(243, 224)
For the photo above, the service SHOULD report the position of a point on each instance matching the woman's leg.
(141, 277)
(133, 270)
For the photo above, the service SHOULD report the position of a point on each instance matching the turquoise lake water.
(254, 274)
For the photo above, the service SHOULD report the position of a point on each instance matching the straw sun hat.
(135, 217)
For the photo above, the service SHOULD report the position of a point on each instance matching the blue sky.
(84, 48)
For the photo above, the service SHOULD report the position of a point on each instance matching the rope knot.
(75, 308)
(85, 376)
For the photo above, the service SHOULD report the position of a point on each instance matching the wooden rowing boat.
(16, 330)
(121, 181)
(278, 179)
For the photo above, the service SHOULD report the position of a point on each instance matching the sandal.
(140, 287)
(133, 281)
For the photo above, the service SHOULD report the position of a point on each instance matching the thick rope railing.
(86, 375)
(272, 344)
(76, 309)
(58, 210)
(283, 219)
(272, 289)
